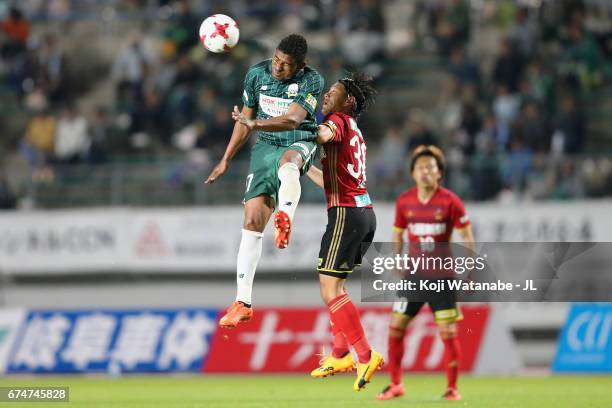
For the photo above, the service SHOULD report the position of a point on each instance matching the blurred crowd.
(510, 122)
(170, 97)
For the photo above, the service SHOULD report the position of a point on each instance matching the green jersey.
(271, 97)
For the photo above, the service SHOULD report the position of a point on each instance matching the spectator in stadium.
(181, 102)
(506, 107)
(129, 70)
(469, 127)
(518, 165)
(8, 201)
(72, 139)
(524, 33)
(16, 30)
(484, 165)
(371, 11)
(343, 22)
(359, 34)
(447, 113)
(584, 58)
(101, 137)
(214, 136)
(183, 26)
(418, 131)
(153, 114)
(569, 127)
(463, 68)
(50, 69)
(207, 102)
(567, 184)
(39, 139)
(363, 48)
(509, 66)
(453, 26)
(541, 85)
(531, 128)
(389, 169)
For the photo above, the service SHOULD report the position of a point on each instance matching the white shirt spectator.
(71, 138)
(130, 64)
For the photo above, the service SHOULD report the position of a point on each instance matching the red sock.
(340, 346)
(452, 357)
(345, 316)
(396, 353)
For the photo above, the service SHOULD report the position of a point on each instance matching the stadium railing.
(179, 182)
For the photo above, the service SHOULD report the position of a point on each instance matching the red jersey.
(344, 164)
(433, 221)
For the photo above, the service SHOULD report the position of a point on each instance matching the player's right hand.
(217, 172)
(240, 118)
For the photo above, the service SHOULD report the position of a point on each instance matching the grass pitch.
(292, 391)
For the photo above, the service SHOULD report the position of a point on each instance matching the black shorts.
(349, 233)
(444, 311)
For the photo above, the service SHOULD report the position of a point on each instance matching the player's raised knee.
(291, 156)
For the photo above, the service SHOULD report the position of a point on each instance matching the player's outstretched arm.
(397, 237)
(467, 236)
(289, 121)
(325, 133)
(316, 175)
(240, 135)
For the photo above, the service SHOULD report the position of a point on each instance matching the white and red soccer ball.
(219, 33)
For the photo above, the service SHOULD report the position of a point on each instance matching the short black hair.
(294, 45)
(360, 86)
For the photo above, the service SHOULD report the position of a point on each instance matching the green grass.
(336, 392)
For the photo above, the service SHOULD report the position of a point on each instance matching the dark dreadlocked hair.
(360, 86)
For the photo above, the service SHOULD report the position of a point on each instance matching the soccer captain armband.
(332, 127)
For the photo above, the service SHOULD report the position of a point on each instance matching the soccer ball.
(219, 33)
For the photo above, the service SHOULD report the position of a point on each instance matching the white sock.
(290, 188)
(248, 257)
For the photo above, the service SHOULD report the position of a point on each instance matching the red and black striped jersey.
(344, 163)
(432, 221)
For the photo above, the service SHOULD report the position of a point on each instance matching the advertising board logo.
(150, 242)
(590, 331)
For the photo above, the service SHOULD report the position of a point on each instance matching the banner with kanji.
(292, 340)
(189, 340)
(113, 341)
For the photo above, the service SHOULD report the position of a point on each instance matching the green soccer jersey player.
(279, 101)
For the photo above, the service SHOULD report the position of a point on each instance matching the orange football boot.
(451, 394)
(391, 391)
(235, 314)
(282, 229)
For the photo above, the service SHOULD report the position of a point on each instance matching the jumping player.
(427, 213)
(351, 223)
(279, 101)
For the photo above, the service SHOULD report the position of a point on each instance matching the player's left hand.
(239, 117)
(217, 172)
